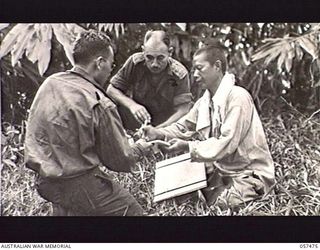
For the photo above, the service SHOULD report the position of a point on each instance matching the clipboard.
(177, 176)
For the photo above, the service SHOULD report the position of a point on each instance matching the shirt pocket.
(42, 140)
(65, 129)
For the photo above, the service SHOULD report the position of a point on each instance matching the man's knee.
(241, 192)
(236, 192)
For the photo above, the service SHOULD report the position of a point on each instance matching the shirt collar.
(226, 84)
(217, 102)
(79, 70)
(169, 70)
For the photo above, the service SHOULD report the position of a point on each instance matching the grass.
(293, 139)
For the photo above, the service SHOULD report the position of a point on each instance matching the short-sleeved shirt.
(160, 98)
(73, 127)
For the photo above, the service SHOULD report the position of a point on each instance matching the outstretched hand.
(140, 113)
(150, 133)
(144, 146)
(176, 146)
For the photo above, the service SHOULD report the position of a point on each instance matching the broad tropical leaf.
(288, 59)
(287, 48)
(10, 39)
(309, 44)
(117, 28)
(32, 48)
(74, 29)
(268, 52)
(182, 26)
(4, 25)
(299, 52)
(20, 45)
(284, 56)
(275, 52)
(44, 49)
(66, 35)
(35, 41)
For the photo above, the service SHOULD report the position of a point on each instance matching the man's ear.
(171, 49)
(99, 61)
(218, 64)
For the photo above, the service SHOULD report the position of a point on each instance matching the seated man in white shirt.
(231, 140)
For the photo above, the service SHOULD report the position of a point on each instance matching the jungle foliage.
(277, 62)
(279, 58)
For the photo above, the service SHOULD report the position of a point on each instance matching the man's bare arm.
(138, 111)
(179, 111)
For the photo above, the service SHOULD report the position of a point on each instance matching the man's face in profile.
(205, 74)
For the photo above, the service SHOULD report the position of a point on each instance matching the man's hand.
(143, 146)
(177, 145)
(151, 133)
(140, 113)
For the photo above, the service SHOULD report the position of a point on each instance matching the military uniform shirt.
(159, 98)
(73, 128)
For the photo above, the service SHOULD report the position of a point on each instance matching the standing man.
(74, 131)
(151, 86)
(231, 141)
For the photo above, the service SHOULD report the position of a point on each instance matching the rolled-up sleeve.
(112, 145)
(122, 79)
(182, 93)
(181, 99)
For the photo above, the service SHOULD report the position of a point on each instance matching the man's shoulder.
(239, 95)
(239, 91)
(65, 76)
(136, 58)
(52, 81)
(177, 68)
(77, 89)
(58, 75)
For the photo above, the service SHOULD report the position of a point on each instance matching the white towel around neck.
(219, 103)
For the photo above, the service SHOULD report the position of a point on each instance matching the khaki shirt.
(236, 146)
(73, 127)
(159, 98)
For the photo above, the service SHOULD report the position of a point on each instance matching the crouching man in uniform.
(151, 86)
(230, 137)
(74, 131)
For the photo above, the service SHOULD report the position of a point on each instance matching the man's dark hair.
(89, 45)
(213, 53)
(164, 36)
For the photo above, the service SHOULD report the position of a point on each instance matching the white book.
(177, 176)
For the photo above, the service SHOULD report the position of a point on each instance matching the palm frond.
(288, 48)
(34, 40)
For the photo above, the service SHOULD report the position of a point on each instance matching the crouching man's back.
(74, 130)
